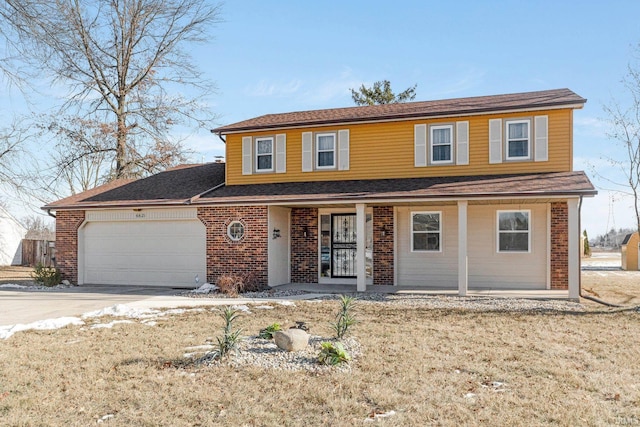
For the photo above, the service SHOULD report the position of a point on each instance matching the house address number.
(140, 215)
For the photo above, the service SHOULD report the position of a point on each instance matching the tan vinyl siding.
(386, 150)
(429, 269)
(493, 270)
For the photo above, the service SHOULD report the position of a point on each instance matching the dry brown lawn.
(16, 274)
(431, 367)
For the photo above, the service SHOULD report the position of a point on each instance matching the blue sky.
(279, 56)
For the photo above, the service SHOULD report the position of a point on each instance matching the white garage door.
(152, 253)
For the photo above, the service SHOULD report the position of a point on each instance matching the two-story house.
(457, 194)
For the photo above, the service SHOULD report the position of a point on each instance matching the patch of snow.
(110, 324)
(243, 308)
(105, 418)
(122, 310)
(470, 395)
(287, 303)
(264, 307)
(13, 286)
(375, 415)
(60, 322)
(206, 289)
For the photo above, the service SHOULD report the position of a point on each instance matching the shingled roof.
(174, 186)
(516, 185)
(402, 111)
(203, 184)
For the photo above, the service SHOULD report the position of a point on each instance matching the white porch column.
(361, 234)
(463, 271)
(574, 248)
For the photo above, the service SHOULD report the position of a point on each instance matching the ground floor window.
(426, 231)
(514, 231)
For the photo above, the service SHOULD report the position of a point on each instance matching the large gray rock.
(291, 339)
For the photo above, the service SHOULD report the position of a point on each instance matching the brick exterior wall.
(559, 245)
(383, 245)
(67, 224)
(304, 250)
(249, 255)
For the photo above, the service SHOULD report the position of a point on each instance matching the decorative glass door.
(343, 245)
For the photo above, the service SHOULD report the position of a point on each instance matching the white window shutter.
(247, 167)
(495, 141)
(541, 133)
(307, 151)
(462, 143)
(281, 153)
(343, 150)
(420, 145)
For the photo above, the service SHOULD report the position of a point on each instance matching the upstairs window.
(264, 154)
(325, 150)
(441, 144)
(518, 139)
(514, 231)
(426, 231)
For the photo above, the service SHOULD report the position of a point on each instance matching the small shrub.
(333, 354)
(230, 338)
(228, 285)
(345, 317)
(267, 333)
(234, 284)
(46, 276)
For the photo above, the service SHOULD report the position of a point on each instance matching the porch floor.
(496, 293)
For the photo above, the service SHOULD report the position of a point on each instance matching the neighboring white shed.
(11, 235)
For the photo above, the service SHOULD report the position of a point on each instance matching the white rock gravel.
(426, 301)
(254, 351)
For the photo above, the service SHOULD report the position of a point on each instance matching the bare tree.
(625, 129)
(123, 62)
(381, 93)
(38, 228)
(12, 149)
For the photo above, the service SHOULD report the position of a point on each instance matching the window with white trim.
(325, 150)
(426, 231)
(264, 154)
(514, 231)
(441, 144)
(518, 139)
(235, 230)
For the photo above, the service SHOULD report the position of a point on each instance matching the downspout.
(589, 297)
(50, 214)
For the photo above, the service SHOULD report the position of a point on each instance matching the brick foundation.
(67, 224)
(559, 245)
(304, 250)
(383, 245)
(249, 255)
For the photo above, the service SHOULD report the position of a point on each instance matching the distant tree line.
(612, 239)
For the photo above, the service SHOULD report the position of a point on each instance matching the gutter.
(219, 134)
(50, 214)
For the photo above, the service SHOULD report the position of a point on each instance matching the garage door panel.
(154, 253)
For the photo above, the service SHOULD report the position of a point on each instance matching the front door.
(338, 248)
(343, 245)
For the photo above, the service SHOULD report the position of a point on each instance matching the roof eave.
(226, 130)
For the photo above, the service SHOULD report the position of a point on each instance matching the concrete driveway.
(21, 306)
